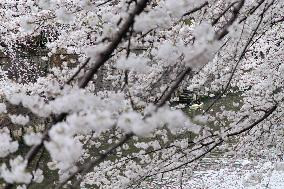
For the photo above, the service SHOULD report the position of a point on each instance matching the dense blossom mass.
(101, 97)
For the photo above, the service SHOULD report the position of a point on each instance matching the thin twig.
(78, 71)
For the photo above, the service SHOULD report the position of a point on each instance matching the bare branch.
(196, 9)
